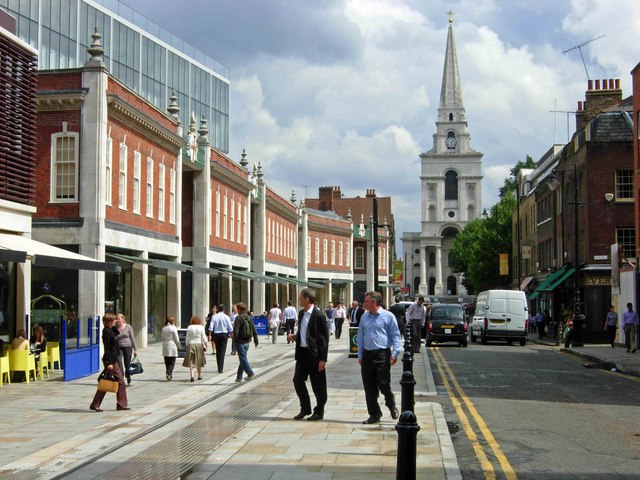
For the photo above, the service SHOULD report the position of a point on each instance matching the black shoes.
(301, 415)
(394, 412)
(95, 409)
(122, 408)
(371, 420)
(315, 417)
(192, 380)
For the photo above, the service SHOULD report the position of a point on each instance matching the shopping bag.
(135, 366)
(107, 383)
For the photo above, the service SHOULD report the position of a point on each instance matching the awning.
(154, 262)
(45, 255)
(302, 283)
(525, 283)
(559, 281)
(548, 281)
(204, 270)
(387, 285)
(341, 280)
(247, 274)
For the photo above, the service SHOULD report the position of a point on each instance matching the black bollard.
(408, 384)
(407, 429)
(407, 357)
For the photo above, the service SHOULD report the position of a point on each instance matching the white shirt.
(220, 323)
(290, 313)
(274, 317)
(340, 312)
(304, 324)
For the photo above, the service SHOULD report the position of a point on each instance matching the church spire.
(451, 93)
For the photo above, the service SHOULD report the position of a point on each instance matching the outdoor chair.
(22, 361)
(53, 354)
(43, 364)
(4, 369)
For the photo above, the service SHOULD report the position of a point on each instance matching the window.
(347, 253)
(268, 245)
(624, 184)
(137, 158)
(225, 211)
(122, 177)
(308, 250)
(358, 261)
(432, 259)
(451, 185)
(333, 252)
(64, 166)
(233, 219)
(325, 252)
(161, 174)
(340, 253)
(316, 250)
(217, 213)
(172, 197)
(238, 220)
(149, 196)
(244, 223)
(108, 169)
(626, 239)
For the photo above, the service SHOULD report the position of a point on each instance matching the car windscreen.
(447, 312)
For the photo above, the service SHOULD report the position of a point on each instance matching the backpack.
(245, 331)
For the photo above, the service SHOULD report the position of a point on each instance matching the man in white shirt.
(220, 328)
(290, 316)
(275, 319)
(416, 314)
(339, 314)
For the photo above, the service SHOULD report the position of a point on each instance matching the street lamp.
(578, 316)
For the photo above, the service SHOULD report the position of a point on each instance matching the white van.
(500, 315)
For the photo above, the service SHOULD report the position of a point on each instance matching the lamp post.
(519, 251)
(578, 316)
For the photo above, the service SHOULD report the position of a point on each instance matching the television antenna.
(555, 111)
(579, 48)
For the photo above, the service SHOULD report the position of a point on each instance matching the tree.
(476, 249)
(511, 182)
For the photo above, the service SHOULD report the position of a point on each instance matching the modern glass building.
(141, 54)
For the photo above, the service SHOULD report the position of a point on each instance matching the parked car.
(500, 315)
(447, 323)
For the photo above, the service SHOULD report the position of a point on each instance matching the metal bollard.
(408, 384)
(407, 429)
(407, 357)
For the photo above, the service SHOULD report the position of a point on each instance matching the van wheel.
(428, 342)
(523, 342)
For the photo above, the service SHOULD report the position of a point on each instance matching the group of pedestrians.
(629, 326)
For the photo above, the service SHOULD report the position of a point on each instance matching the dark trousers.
(416, 341)
(125, 361)
(121, 396)
(290, 325)
(376, 377)
(339, 323)
(307, 367)
(540, 327)
(169, 364)
(220, 340)
(611, 333)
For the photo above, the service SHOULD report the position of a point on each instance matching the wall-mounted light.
(608, 197)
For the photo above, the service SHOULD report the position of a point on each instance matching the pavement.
(217, 428)
(600, 355)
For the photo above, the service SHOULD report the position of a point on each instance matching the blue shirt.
(629, 318)
(379, 331)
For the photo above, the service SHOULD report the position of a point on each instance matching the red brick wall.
(635, 75)
(281, 244)
(64, 80)
(235, 243)
(139, 103)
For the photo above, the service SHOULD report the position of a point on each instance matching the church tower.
(451, 189)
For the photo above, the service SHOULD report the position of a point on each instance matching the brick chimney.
(326, 196)
(371, 192)
(600, 95)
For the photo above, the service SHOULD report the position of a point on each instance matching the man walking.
(312, 348)
(378, 349)
(416, 313)
(611, 325)
(355, 313)
(630, 327)
(243, 331)
(275, 318)
(221, 328)
(339, 315)
(398, 311)
(329, 314)
(290, 315)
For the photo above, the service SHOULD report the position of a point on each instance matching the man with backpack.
(243, 331)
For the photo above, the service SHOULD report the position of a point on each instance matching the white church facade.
(450, 189)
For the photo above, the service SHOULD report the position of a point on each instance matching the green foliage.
(511, 182)
(476, 249)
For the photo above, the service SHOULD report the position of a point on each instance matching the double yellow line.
(460, 402)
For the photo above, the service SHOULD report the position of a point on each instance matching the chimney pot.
(617, 84)
(597, 84)
(590, 85)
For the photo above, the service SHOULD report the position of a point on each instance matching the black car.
(447, 324)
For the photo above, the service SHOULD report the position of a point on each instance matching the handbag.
(135, 366)
(107, 382)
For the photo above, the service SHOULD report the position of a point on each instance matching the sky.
(345, 92)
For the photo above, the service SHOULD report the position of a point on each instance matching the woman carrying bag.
(111, 366)
(196, 345)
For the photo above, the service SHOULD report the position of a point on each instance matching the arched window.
(451, 285)
(432, 259)
(432, 285)
(451, 185)
(432, 213)
(416, 284)
(451, 117)
(471, 212)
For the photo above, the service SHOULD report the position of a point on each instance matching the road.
(533, 413)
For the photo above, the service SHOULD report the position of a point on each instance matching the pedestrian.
(398, 311)
(110, 360)
(289, 315)
(126, 344)
(207, 326)
(339, 314)
(196, 344)
(355, 313)
(630, 327)
(275, 319)
(611, 324)
(232, 317)
(539, 321)
(170, 345)
(222, 328)
(329, 315)
(378, 348)
(312, 349)
(417, 315)
(243, 331)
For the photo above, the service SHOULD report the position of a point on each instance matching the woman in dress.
(170, 345)
(126, 344)
(196, 345)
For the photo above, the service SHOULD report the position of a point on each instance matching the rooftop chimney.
(600, 95)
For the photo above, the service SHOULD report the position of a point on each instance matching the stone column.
(423, 286)
(139, 307)
(258, 241)
(438, 290)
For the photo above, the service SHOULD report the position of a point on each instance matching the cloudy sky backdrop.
(345, 92)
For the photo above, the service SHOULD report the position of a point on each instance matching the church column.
(438, 290)
(422, 287)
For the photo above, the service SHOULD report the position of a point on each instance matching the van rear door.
(516, 316)
(497, 316)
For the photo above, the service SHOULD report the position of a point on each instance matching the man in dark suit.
(355, 313)
(312, 348)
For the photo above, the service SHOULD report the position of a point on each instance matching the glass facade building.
(142, 55)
